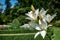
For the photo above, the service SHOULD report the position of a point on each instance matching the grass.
(17, 30)
(26, 36)
(56, 33)
(22, 34)
(18, 37)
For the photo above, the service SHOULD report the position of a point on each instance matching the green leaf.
(56, 33)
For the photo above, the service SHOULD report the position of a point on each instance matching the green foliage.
(8, 5)
(15, 23)
(56, 33)
(23, 6)
(16, 30)
(24, 37)
(56, 23)
(3, 19)
(50, 32)
(23, 10)
(19, 13)
(22, 19)
(20, 37)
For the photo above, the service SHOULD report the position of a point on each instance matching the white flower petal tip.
(54, 15)
(28, 18)
(37, 11)
(32, 7)
(49, 25)
(36, 34)
(43, 33)
(37, 28)
(43, 12)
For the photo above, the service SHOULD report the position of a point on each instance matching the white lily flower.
(34, 25)
(49, 17)
(41, 23)
(43, 12)
(33, 15)
(43, 33)
(43, 26)
(30, 14)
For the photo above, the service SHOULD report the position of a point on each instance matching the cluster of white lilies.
(39, 20)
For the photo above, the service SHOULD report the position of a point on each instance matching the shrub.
(15, 23)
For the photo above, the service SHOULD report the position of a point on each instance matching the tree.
(8, 5)
(7, 11)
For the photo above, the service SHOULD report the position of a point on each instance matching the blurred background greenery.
(15, 17)
(23, 6)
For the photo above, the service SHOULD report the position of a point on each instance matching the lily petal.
(38, 28)
(34, 25)
(28, 18)
(48, 26)
(36, 34)
(53, 16)
(43, 33)
(49, 17)
(43, 12)
(43, 24)
(37, 12)
(30, 14)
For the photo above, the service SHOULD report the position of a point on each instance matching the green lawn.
(57, 33)
(13, 35)
(21, 36)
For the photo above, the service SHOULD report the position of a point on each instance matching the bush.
(22, 20)
(15, 23)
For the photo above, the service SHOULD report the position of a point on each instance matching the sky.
(4, 6)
